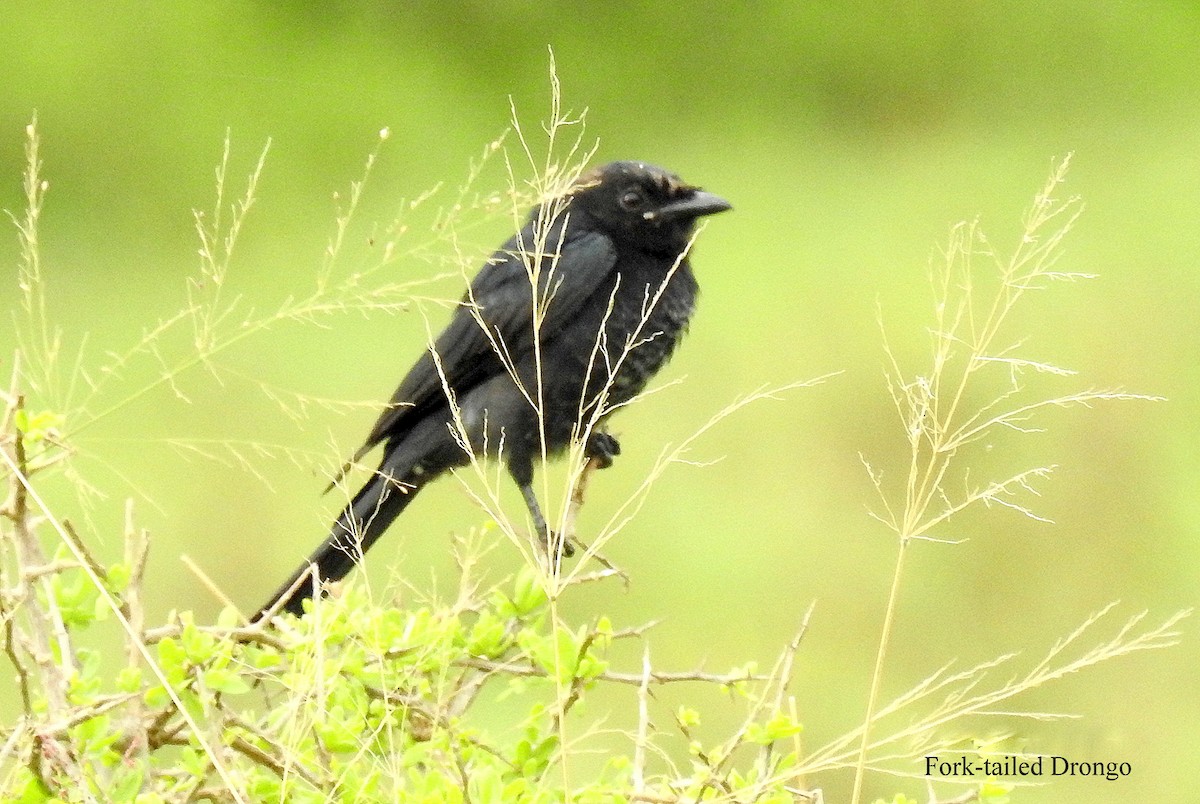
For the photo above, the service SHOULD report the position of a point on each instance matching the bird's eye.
(632, 199)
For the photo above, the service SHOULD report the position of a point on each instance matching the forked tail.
(358, 527)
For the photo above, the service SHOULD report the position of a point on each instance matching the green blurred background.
(848, 137)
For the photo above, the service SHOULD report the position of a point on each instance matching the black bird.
(571, 317)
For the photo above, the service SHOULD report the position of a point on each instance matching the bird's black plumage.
(570, 318)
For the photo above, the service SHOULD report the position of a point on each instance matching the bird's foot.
(601, 447)
(556, 545)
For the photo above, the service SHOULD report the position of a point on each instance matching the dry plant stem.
(957, 696)
(551, 183)
(219, 320)
(14, 509)
(137, 550)
(575, 502)
(938, 419)
(206, 581)
(932, 427)
(56, 691)
(268, 759)
(634, 679)
(643, 729)
(42, 341)
(779, 677)
(45, 630)
(45, 626)
(782, 675)
(578, 494)
(421, 717)
(653, 798)
(216, 250)
(877, 673)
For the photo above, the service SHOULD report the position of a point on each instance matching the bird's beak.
(696, 205)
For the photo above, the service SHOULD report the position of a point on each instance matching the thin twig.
(634, 679)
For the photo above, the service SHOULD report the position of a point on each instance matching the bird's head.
(644, 206)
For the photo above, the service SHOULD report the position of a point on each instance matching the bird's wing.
(496, 317)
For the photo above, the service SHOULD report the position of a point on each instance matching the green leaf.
(485, 787)
(156, 697)
(687, 717)
(172, 660)
(994, 793)
(229, 618)
(603, 632)
(126, 782)
(197, 645)
(557, 655)
(529, 594)
(341, 730)
(37, 426)
(28, 787)
(227, 681)
(488, 637)
(129, 679)
(261, 657)
(118, 577)
(76, 599)
(591, 666)
(194, 762)
(779, 727)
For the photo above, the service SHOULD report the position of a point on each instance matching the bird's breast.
(636, 338)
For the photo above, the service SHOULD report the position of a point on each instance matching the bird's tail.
(358, 527)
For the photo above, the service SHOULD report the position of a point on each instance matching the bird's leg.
(601, 447)
(553, 541)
